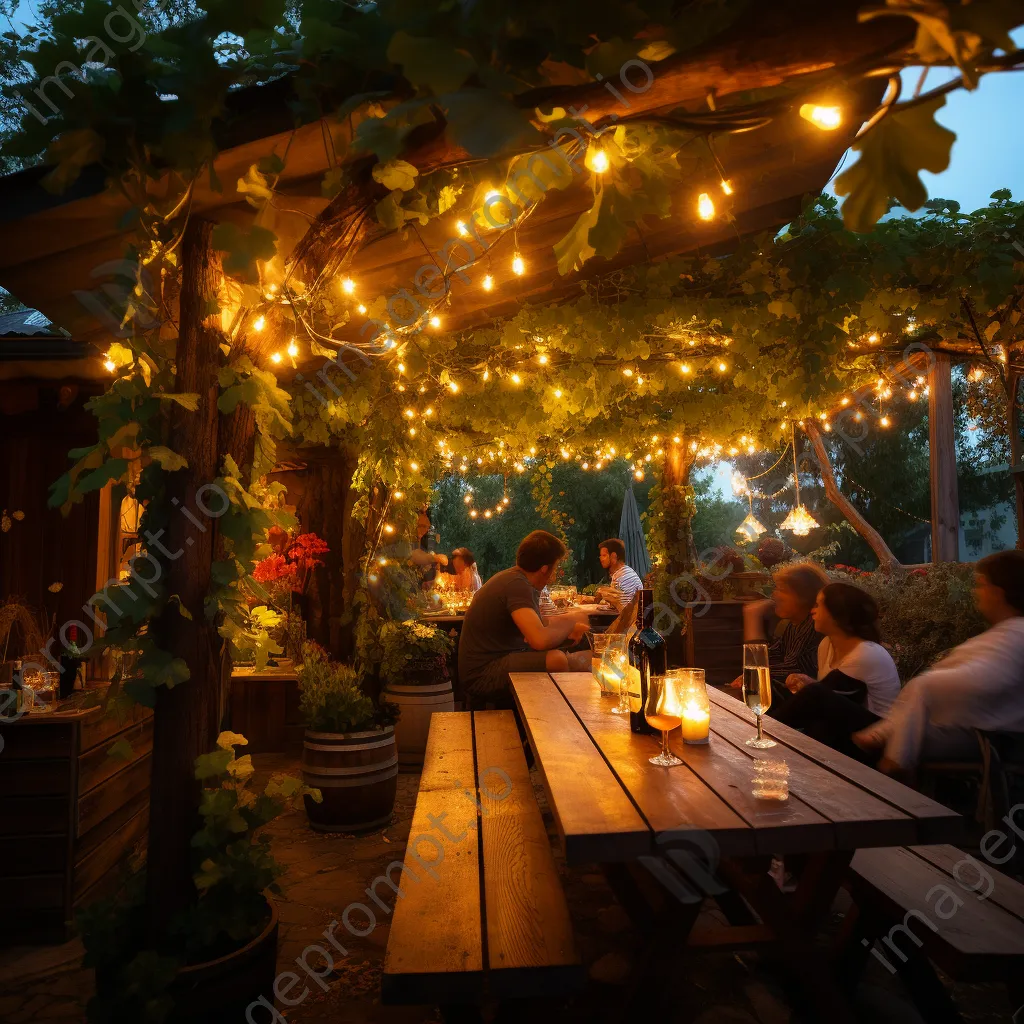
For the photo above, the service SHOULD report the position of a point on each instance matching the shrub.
(411, 646)
(330, 698)
(922, 612)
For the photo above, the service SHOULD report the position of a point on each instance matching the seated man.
(504, 631)
(624, 581)
(979, 685)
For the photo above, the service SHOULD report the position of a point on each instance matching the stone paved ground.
(325, 873)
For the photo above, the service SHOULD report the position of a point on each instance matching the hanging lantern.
(800, 521)
(750, 529)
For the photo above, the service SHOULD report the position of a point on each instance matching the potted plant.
(414, 669)
(220, 954)
(349, 752)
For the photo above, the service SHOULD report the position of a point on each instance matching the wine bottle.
(70, 660)
(648, 656)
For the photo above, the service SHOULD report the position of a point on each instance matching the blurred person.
(978, 685)
(504, 630)
(793, 642)
(423, 556)
(467, 576)
(857, 680)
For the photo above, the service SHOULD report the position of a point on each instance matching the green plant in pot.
(349, 752)
(220, 953)
(414, 668)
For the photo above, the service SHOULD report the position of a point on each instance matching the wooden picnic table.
(699, 831)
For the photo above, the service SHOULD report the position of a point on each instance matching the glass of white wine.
(757, 689)
(663, 711)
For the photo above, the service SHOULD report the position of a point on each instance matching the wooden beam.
(942, 460)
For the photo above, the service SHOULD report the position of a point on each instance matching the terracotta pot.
(357, 774)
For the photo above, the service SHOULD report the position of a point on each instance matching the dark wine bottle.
(70, 662)
(648, 655)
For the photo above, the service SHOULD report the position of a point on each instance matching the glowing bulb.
(828, 119)
(845, 401)
(472, 513)
(361, 308)
(487, 375)
(597, 160)
(627, 372)
(638, 473)
(110, 365)
(259, 323)
(487, 514)
(516, 379)
(348, 286)
(884, 421)
(398, 495)
(542, 359)
(412, 431)
(453, 387)
(293, 349)
(460, 226)
(414, 466)
(429, 411)
(873, 339)
(586, 465)
(726, 187)
(684, 367)
(382, 561)
(722, 367)
(705, 207)
(435, 321)
(558, 392)
(401, 367)
(488, 283)
(518, 266)
(410, 414)
(912, 396)
(388, 528)
(276, 357)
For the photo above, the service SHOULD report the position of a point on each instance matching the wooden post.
(942, 459)
(1014, 381)
(886, 559)
(185, 722)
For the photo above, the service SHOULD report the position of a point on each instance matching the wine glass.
(663, 712)
(757, 689)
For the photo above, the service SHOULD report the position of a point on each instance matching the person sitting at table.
(503, 630)
(467, 576)
(423, 556)
(978, 685)
(793, 647)
(856, 681)
(624, 582)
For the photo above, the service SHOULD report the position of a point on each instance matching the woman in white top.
(467, 576)
(857, 679)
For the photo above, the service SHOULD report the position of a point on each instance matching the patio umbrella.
(631, 533)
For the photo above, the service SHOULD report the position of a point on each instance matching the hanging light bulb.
(684, 368)
(518, 265)
(435, 321)
(488, 283)
(348, 286)
(460, 226)
(110, 366)
(638, 474)
(259, 323)
(800, 521)
(276, 357)
(597, 160)
(293, 349)
(705, 207)
(727, 187)
(516, 379)
(362, 309)
(827, 118)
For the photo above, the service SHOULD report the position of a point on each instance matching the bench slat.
(530, 946)
(595, 817)
(436, 955)
(1007, 892)
(976, 941)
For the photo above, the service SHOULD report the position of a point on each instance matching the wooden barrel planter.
(357, 773)
(419, 693)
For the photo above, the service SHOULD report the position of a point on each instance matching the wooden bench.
(483, 915)
(921, 902)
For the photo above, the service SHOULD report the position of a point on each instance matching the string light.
(705, 207)
(398, 495)
(362, 309)
(110, 366)
(727, 187)
(259, 323)
(453, 387)
(597, 160)
(558, 392)
(518, 265)
(722, 367)
(516, 379)
(435, 321)
(488, 283)
(542, 359)
(293, 349)
(684, 368)
(348, 286)
(827, 118)
(276, 357)
(460, 226)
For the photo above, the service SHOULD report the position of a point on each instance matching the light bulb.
(398, 495)
(414, 466)
(912, 396)
(884, 421)
(348, 286)
(828, 119)
(516, 379)
(558, 392)
(259, 323)
(110, 365)
(627, 372)
(638, 473)
(412, 431)
(542, 359)
(435, 321)
(410, 414)
(460, 226)
(518, 265)
(488, 283)
(453, 387)
(429, 411)
(597, 160)
(684, 367)
(705, 207)
(487, 375)
(361, 308)
(722, 367)
(727, 187)
(401, 367)
(293, 349)
(276, 357)
(487, 514)
(388, 528)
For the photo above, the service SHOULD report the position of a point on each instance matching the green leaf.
(71, 152)
(244, 248)
(430, 63)
(187, 400)
(215, 763)
(170, 461)
(112, 469)
(575, 249)
(396, 174)
(891, 156)
(486, 124)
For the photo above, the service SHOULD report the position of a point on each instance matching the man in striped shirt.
(624, 582)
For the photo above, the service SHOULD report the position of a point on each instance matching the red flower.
(272, 568)
(306, 548)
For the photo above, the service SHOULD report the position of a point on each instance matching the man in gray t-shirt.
(504, 632)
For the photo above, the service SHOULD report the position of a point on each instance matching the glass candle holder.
(607, 661)
(771, 780)
(694, 703)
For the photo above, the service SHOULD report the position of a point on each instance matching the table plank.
(595, 817)
(935, 823)
(420, 937)
(712, 789)
(860, 818)
(529, 931)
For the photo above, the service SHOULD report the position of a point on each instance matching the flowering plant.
(304, 555)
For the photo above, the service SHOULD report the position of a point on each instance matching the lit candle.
(696, 723)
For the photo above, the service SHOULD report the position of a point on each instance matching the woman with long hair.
(857, 680)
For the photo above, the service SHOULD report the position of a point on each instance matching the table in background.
(264, 708)
(612, 806)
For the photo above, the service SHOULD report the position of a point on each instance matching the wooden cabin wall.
(39, 424)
